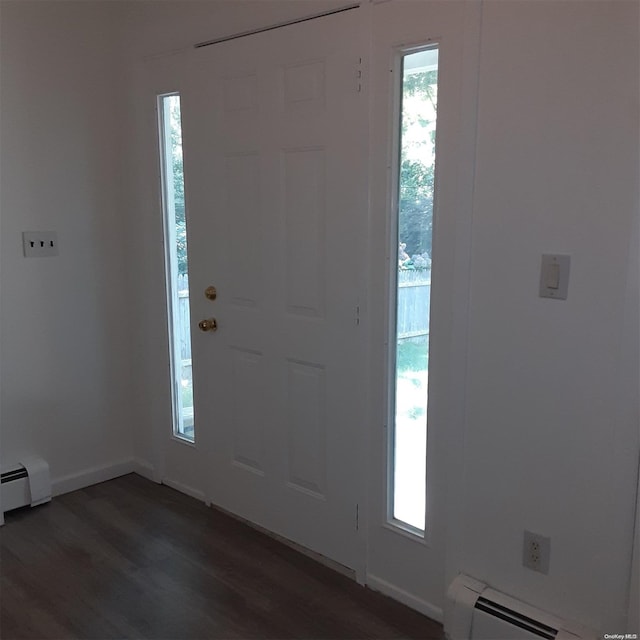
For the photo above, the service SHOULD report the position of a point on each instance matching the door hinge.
(359, 76)
(357, 315)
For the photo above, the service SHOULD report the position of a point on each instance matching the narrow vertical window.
(415, 194)
(176, 265)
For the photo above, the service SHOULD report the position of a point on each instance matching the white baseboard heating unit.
(25, 483)
(476, 612)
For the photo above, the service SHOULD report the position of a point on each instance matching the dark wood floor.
(131, 559)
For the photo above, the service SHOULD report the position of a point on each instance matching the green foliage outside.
(178, 185)
(415, 220)
(415, 215)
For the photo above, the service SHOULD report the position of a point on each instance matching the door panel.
(406, 566)
(275, 193)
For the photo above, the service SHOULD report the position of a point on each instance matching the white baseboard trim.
(94, 475)
(183, 488)
(388, 589)
(144, 469)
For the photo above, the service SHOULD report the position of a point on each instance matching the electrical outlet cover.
(536, 552)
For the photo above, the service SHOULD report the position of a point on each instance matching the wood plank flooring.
(132, 559)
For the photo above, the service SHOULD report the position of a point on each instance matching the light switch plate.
(554, 270)
(40, 244)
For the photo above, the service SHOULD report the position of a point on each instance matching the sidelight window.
(176, 265)
(416, 134)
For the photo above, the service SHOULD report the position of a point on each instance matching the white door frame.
(165, 75)
(412, 570)
(411, 24)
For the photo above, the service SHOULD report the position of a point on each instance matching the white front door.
(274, 138)
(276, 163)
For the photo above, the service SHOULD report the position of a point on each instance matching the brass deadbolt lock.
(210, 293)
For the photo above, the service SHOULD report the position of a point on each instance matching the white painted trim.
(454, 413)
(422, 606)
(186, 489)
(145, 469)
(93, 475)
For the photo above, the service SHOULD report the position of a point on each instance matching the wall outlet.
(536, 552)
(40, 244)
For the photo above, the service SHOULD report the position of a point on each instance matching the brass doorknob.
(209, 324)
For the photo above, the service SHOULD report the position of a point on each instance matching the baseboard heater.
(27, 482)
(476, 612)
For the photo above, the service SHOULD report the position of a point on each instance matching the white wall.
(551, 438)
(550, 441)
(164, 26)
(65, 352)
(537, 426)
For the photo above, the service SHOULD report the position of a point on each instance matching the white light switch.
(40, 244)
(554, 276)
